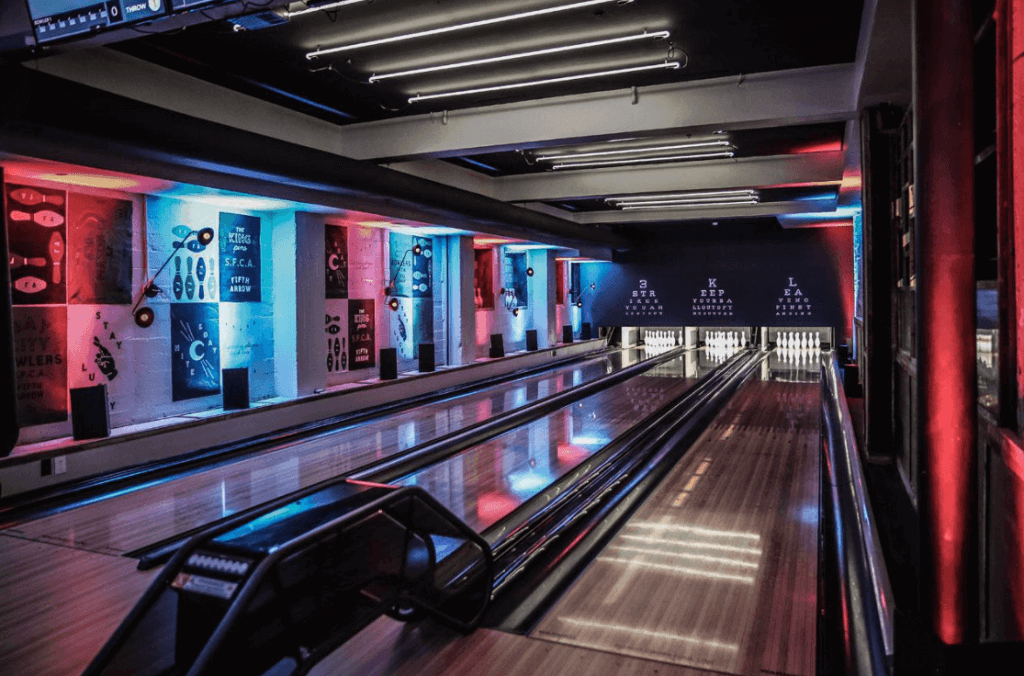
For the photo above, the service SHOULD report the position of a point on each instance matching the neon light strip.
(683, 195)
(679, 555)
(692, 206)
(752, 551)
(641, 160)
(648, 632)
(330, 5)
(668, 65)
(519, 55)
(697, 572)
(458, 27)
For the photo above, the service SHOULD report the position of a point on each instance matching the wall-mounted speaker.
(90, 412)
(427, 358)
(497, 346)
(388, 363)
(236, 388)
(531, 340)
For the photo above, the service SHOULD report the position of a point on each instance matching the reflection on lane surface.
(128, 521)
(485, 483)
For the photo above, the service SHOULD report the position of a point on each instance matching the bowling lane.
(485, 483)
(132, 520)
(717, 569)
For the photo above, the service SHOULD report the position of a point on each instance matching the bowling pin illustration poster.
(37, 238)
(336, 336)
(99, 250)
(362, 347)
(100, 351)
(41, 365)
(195, 350)
(239, 258)
(336, 261)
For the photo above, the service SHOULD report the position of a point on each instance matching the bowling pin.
(177, 283)
(212, 286)
(56, 254)
(201, 275)
(48, 219)
(190, 282)
(817, 341)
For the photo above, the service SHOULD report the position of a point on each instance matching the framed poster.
(336, 261)
(41, 369)
(99, 250)
(239, 258)
(362, 344)
(37, 241)
(195, 350)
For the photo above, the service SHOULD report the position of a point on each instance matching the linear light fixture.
(695, 200)
(643, 160)
(462, 26)
(627, 151)
(316, 8)
(709, 205)
(667, 65)
(681, 195)
(519, 55)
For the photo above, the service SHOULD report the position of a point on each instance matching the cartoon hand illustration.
(104, 360)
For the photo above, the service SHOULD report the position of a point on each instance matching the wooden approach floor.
(715, 573)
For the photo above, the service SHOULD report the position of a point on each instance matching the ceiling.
(761, 102)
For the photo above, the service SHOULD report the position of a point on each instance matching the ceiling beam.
(760, 100)
(752, 172)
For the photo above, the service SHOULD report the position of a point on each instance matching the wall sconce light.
(392, 302)
(145, 315)
(579, 297)
(529, 272)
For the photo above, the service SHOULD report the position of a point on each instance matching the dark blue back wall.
(741, 274)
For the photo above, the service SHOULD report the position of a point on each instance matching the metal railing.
(864, 598)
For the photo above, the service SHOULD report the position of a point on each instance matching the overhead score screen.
(58, 19)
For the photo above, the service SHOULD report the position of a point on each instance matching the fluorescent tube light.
(695, 206)
(641, 160)
(461, 26)
(695, 200)
(668, 65)
(316, 8)
(626, 151)
(518, 55)
(683, 195)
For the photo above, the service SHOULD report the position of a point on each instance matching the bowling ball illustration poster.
(195, 350)
(100, 351)
(239, 258)
(41, 365)
(99, 250)
(336, 335)
(412, 273)
(336, 261)
(37, 237)
(362, 347)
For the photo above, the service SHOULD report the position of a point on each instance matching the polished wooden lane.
(718, 568)
(58, 606)
(390, 648)
(129, 521)
(485, 483)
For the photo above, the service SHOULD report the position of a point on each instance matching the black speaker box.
(236, 388)
(389, 363)
(497, 346)
(586, 333)
(90, 412)
(427, 358)
(531, 340)
(567, 333)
